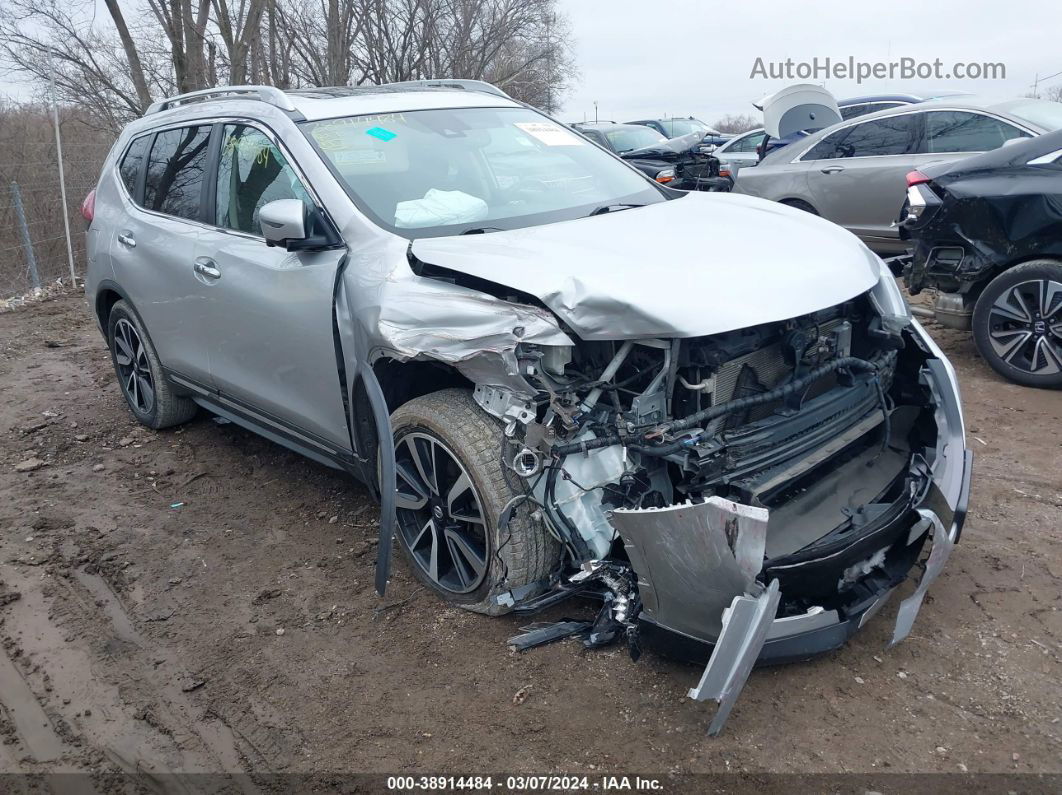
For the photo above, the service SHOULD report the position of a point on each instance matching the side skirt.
(272, 428)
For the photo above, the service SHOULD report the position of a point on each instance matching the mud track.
(201, 600)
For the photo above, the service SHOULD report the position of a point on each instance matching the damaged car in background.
(739, 444)
(987, 234)
(683, 162)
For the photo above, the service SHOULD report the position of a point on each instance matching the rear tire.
(451, 490)
(1017, 324)
(148, 394)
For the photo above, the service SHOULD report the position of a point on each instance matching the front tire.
(451, 490)
(1017, 324)
(148, 394)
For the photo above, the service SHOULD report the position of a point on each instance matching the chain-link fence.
(35, 252)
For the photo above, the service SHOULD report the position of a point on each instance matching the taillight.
(916, 178)
(724, 172)
(88, 206)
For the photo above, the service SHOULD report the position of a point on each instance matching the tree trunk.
(136, 68)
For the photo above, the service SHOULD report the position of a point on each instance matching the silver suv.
(713, 413)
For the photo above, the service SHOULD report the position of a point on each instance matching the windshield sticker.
(549, 133)
(381, 133)
(358, 157)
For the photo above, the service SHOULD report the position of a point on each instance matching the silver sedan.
(854, 173)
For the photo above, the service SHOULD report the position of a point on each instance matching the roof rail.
(453, 82)
(270, 94)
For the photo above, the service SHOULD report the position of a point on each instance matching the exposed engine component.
(733, 490)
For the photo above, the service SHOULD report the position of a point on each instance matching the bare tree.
(136, 68)
(737, 123)
(113, 66)
(238, 27)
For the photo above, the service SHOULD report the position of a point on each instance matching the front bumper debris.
(745, 626)
(750, 636)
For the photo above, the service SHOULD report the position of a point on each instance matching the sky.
(653, 58)
(684, 57)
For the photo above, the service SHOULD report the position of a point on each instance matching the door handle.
(832, 169)
(204, 266)
(126, 239)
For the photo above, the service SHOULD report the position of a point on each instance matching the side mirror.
(295, 226)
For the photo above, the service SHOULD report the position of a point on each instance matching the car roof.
(313, 104)
(910, 99)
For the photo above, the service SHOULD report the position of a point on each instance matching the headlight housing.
(665, 176)
(887, 297)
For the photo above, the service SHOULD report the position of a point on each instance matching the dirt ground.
(202, 600)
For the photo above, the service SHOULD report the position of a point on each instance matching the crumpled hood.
(702, 264)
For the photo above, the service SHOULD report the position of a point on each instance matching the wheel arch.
(107, 295)
(798, 203)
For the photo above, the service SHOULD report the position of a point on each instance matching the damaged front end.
(749, 496)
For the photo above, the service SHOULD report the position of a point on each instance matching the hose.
(713, 412)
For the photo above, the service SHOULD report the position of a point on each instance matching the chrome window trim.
(909, 110)
(1048, 159)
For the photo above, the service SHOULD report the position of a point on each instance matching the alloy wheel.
(134, 369)
(440, 515)
(1025, 326)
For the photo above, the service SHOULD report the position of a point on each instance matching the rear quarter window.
(132, 160)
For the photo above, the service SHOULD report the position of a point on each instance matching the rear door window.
(252, 172)
(176, 169)
(828, 147)
(129, 169)
(892, 135)
(962, 131)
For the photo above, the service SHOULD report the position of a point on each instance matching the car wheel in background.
(451, 490)
(1017, 324)
(148, 394)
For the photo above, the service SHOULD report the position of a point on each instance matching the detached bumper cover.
(795, 638)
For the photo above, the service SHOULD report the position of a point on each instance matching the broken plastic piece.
(942, 544)
(745, 628)
(540, 634)
(692, 559)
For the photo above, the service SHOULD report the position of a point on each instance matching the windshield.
(428, 173)
(676, 127)
(627, 139)
(1047, 115)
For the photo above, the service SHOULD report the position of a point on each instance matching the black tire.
(800, 205)
(149, 396)
(1026, 351)
(524, 554)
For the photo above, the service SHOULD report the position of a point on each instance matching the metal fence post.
(27, 244)
(62, 176)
